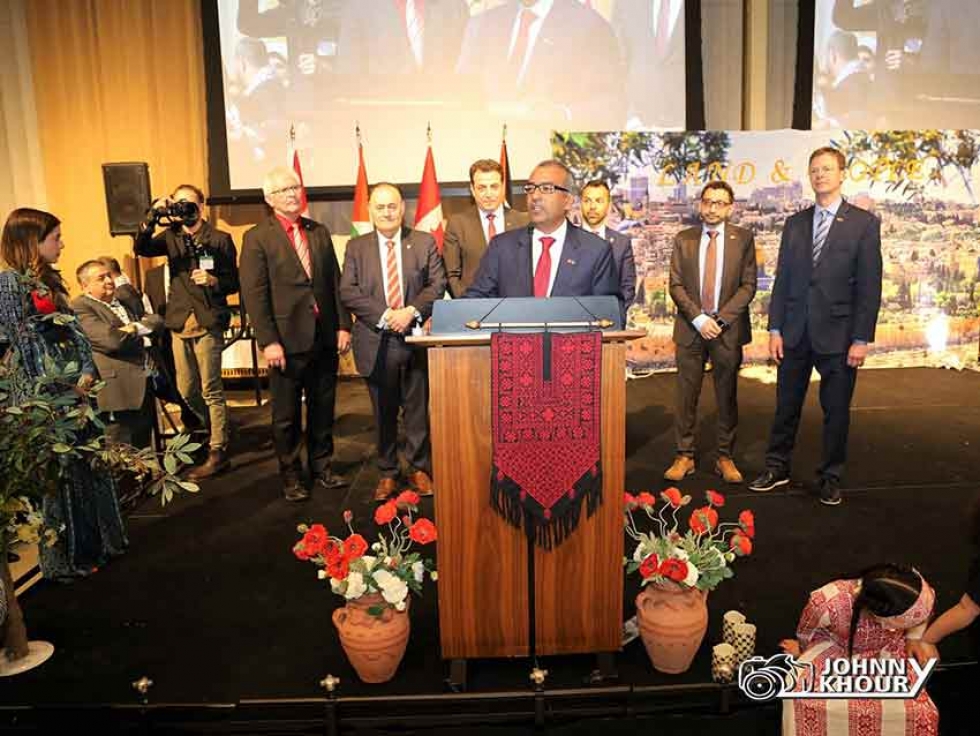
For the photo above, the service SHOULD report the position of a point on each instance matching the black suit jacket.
(586, 267)
(622, 251)
(362, 289)
(738, 283)
(119, 356)
(465, 243)
(836, 301)
(278, 295)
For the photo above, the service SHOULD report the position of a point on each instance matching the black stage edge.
(235, 633)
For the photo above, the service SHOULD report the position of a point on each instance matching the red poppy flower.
(423, 531)
(299, 549)
(672, 496)
(348, 516)
(646, 499)
(703, 520)
(630, 500)
(385, 513)
(42, 303)
(338, 569)
(355, 546)
(742, 545)
(407, 498)
(674, 569)
(315, 539)
(747, 521)
(715, 498)
(649, 566)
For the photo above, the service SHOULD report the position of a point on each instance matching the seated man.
(122, 360)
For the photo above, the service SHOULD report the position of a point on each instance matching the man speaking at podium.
(551, 257)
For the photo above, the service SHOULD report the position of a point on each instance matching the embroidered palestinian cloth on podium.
(546, 419)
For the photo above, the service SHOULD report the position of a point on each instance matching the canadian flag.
(360, 218)
(428, 214)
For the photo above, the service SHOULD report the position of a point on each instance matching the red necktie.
(520, 43)
(542, 274)
(710, 270)
(491, 228)
(393, 288)
(303, 251)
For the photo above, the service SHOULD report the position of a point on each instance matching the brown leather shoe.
(386, 487)
(421, 482)
(217, 462)
(682, 467)
(725, 467)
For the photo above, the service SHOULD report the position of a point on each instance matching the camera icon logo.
(764, 678)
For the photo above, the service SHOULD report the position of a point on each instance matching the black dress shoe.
(768, 480)
(830, 492)
(329, 480)
(293, 490)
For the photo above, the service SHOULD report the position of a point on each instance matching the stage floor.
(211, 605)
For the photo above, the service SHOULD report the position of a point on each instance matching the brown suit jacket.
(738, 281)
(464, 245)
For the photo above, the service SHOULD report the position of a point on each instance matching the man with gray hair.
(551, 257)
(291, 291)
(117, 345)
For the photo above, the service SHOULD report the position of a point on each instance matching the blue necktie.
(820, 234)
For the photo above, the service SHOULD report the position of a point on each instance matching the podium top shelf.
(483, 338)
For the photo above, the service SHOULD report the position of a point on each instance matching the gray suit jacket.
(362, 291)
(738, 282)
(119, 356)
(465, 243)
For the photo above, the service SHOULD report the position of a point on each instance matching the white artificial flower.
(336, 586)
(400, 606)
(680, 554)
(692, 575)
(356, 587)
(393, 588)
(434, 575)
(376, 546)
(638, 553)
(321, 574)
(369, 561)
(418, 570)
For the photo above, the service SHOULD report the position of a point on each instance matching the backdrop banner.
(922, 184)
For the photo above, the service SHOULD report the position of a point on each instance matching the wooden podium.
(482, 560)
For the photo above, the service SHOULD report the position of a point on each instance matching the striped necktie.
(302, 250)
(820, 234)
(393, 287)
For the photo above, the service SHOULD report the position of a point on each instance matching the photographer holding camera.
(202, 262)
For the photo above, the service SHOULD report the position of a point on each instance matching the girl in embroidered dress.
(872, 617)
(84, 510)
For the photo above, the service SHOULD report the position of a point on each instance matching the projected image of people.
(897, 64)
(395, 67)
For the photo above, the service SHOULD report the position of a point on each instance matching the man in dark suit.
(291, 288)
(116, 335)
(712, 282)
(822, 314)
(468, 232)
(521, 52)
(651, 40)
(595, 212)
(551, 257)
(391, 278)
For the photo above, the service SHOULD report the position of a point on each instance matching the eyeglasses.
(286, 190)
(545, 188)
(719, 203)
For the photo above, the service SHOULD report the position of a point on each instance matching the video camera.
(176, 213)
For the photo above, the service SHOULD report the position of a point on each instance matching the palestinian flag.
(360, 219)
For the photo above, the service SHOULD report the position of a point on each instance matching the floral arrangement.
(391, 571)
(697, 558)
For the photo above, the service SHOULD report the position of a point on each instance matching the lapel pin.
(569, 261)
(840, 219)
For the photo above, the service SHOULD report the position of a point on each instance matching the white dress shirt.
(554, 251)
(541, 10)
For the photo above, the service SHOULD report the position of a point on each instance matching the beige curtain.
(22, 177)
(114, 80)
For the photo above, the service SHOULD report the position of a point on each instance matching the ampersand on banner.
(780, 173)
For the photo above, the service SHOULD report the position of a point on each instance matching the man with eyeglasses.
(469, 231)
(291, 289)
(595, 211)
(551, 257)
(822, 314)
(391, 278)
(712, 282)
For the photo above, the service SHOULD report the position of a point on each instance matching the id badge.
(206, 263)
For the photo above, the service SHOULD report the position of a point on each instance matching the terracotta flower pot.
(374, 645)
(672, 620)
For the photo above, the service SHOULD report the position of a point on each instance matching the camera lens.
(762, 685)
